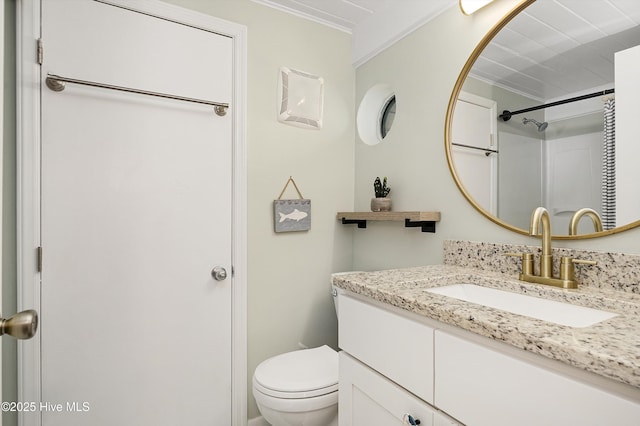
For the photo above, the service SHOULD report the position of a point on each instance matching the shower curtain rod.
(506, 114)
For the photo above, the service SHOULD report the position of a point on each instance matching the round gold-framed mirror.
(514, 136)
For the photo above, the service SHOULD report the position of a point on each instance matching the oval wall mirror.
(544, 114)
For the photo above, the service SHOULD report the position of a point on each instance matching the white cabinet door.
(481, 386)
(392, 344)
(367, 398)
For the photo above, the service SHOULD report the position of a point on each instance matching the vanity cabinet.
(388, 343)
(368, 398)
(482, 386)
(394, 363)
(386, 367)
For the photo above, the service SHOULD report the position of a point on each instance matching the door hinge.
(39, 259)
(39, 51)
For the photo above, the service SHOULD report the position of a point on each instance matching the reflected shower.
(541, 126)
(506, 114)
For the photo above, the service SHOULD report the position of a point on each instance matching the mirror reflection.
(547, 117)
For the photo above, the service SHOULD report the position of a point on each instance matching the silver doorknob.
(22, 325)
(219, 273)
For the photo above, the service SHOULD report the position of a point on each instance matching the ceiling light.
(470, 6)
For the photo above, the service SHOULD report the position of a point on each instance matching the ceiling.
(557, 48)
(373, 24)
(553, 49)
(344, 15)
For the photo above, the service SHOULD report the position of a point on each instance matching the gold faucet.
(540, 217)
(595, 218)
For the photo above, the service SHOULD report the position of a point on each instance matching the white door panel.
(474, 149)
(164, 56)
(1, 181)
(136, 212)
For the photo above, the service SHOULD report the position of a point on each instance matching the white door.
(136, 212)
(1, 174)
(574, 165)
(475, 149)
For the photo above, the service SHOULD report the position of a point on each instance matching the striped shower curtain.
(609, 166)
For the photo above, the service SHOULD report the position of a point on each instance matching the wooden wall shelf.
(425, 220)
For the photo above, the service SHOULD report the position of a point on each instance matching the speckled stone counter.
(615, 271)
(610, 348)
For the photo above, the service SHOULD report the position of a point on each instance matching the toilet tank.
(334, 293)
(335, 290)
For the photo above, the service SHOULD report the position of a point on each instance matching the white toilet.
(299, 388)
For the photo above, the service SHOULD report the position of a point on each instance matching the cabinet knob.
(408, 419)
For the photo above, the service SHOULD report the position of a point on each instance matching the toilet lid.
(303, 371)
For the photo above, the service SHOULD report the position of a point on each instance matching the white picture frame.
(300, 98)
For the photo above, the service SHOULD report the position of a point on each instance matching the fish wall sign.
(291, 215)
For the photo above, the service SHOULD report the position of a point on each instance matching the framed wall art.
(291, 215)
(300, 98)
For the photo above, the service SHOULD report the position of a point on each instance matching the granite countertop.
(610, 348)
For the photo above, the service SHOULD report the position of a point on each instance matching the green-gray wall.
(423, 68)
(288, 288)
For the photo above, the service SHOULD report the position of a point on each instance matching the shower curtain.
(609, 166)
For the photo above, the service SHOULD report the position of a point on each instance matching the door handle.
(219, 273)
(22, 325)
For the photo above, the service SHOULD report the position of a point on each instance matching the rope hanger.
(290, 180)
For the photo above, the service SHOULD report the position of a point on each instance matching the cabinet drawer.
(482, 386)
(396, 346)
(367, 398)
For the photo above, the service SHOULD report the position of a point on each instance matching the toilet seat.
(295, 405)
(300, 374)
(294, 395)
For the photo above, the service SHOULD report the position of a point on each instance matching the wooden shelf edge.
(424, 220)
(390, 216)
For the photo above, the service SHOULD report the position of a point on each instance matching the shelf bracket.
(360, 222)
(426, 225)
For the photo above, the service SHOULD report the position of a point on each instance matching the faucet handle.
(527, 262)
(567, 270)
(584, 262)
(522, 255)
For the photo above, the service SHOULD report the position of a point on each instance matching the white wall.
(519, 178)
(423, 68)
(574, 165)
(627, 130)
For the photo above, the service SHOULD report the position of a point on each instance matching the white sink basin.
(522, 304)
